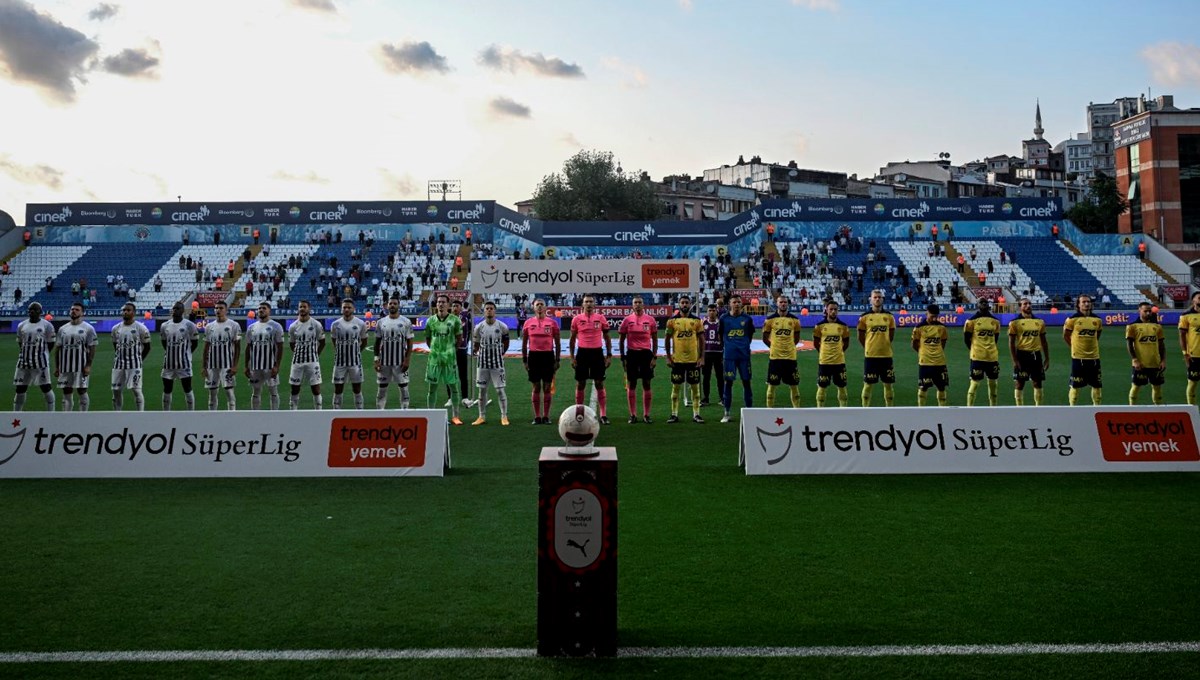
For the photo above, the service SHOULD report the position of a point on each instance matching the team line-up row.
(716, 343)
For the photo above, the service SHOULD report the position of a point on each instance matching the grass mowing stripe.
(626, 652)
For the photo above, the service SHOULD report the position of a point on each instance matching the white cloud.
(634, 78)
(1173, 63)
(685, 5)
(819, 5)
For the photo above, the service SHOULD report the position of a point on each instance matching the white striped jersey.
(74, 339)
(128, 340)
(491, 340)
(34, 340)
(179, 336)
(220, 339)
(262, 342)
(347, 341)
(305, 337)
(392, 333)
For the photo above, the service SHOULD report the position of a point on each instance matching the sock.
(536, 398)
(820, 397)
(68, 402)
(843, 397)
(674, 400)
(85, 401)
(646, 400)
(189, 398)
(602, 401)
(695, 400)
(430, 395)
(921, 397)
(631, 397)
(454, 397)
(971, 389)
(943, 398)
(482, 401)
(502, 396)
(381, 397)
(1018, 396)
(747, 394)
(19, 402)
(256, 397)
(1072, 396)
(1156, 394)
(1037, 396)
(274, 398)
(1191, 392)
(578, 396)
(794, 392)
(318, 401)
(118, 401)
(49, 401)
(547, 397)
(230, 399)
(405, 399)
(993, 393)
(1133, 394)
(166, 401)
(337, 401)
(727, 395)
(1097, 399)
(866, 394)
(770, 396)
(139, 400)
(294, 402)
(889, 395)
(358, 400)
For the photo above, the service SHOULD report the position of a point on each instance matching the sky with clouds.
(225, 100)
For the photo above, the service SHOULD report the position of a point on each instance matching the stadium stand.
(28, 271)
(263, 267)
(1122, 275)
(1005, 274)
(179, 282)
(1051, 266)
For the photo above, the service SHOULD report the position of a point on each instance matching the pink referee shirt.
(589, 330)
(638, 331)
(541, 333)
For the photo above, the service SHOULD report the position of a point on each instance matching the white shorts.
(127, 378)
(77, 381)
(392, 375)
(308, 371)
(344, 374)
(489, 376)
(262, 377)
(175, 373)
(219, 377)
(31, 376)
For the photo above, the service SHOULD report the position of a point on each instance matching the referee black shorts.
(541, 366)
(589, 364)
(637, 365)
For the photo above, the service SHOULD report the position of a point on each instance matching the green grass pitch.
(708, 556)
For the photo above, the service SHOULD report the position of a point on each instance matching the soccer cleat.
(448, 404)
(647, 420)
(704, 402)
(456, 421)
(469, 403)
(479, 421)
(633, 420)
(673, 419)
(504, 421)
(536, 421)
(697, 419)
(726, 418)
(603, 420)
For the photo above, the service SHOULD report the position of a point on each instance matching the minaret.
(1037, 122)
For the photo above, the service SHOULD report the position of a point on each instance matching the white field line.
(1021, 649)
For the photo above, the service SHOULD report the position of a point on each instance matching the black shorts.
(878, 368)
(827, 373)
(541, 366)
(1085, 372)
(1148, 376)
(685, 372)
(933, 376)
(637, 365)
(985, 369)
(589, 364)
(782, 370)
(1193, 370)
(1029, 367)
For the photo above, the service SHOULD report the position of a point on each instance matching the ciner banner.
(849, 441)
(584, 276)
(225, 444)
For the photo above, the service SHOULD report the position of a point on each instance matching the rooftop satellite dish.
(901, 177)
(792, 173)
(748, 181)
(710, 189)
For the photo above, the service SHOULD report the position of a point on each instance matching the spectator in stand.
(28, 236)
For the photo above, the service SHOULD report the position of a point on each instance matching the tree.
(592, 187)
(1098, 212)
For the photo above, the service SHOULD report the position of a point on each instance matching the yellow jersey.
(685, 330)
(830, 337)
(932, 337)
(784, 333)
(1028, 333)
(984, 329)
(1189, 323)
(879, 327)
(1085, 335)
(1145, 337)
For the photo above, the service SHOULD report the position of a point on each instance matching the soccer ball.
(578, 426)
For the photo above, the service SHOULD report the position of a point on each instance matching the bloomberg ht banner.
(957, 440)
(225, 444)
(906, 209)
(300, 212)
(585, 276)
